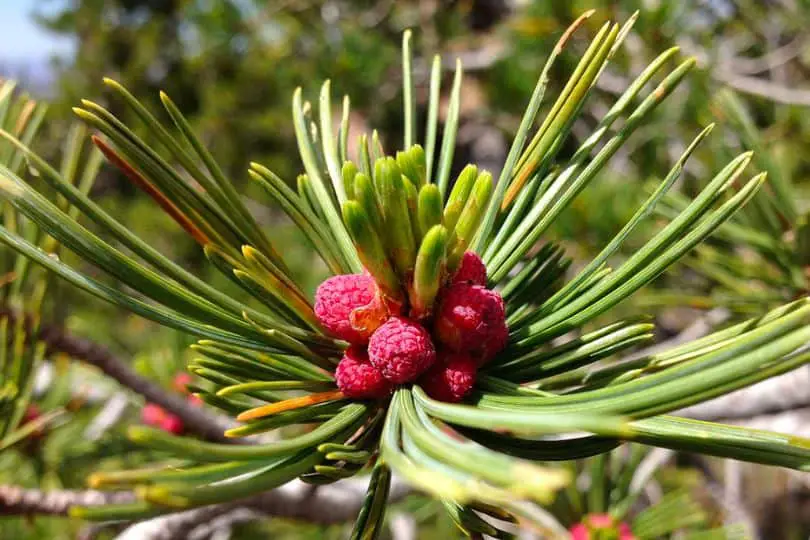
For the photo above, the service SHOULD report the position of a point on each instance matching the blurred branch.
(325, 505)
(794, 422)
(109, 415)
(701, 327)
(195, 419)
(786, 392)
(764, 88)
(724, 70)
(15, 500)
(771, 59)
(654, 460)
(197, 523)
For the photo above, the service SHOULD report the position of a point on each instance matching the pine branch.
(325, 505)
(195, 419)
(190, 524)
(783, 393)
(15, 500)
(795, 422)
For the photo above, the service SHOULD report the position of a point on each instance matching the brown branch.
(195, 419)
(325, 505)
(787, 392)
(15, 500)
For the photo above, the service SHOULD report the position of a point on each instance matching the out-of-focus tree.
(759, 49)
(227, 62)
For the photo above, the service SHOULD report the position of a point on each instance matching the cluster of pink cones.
(440, 351)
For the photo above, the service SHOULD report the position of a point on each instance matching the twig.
(107, 417)
(794, 422)
(654, 460)
(327, 505)
(296, 500)
(722, 71)
(771, 59)
(15, 500)
(195, 419)
(786, 392)
(764, 88)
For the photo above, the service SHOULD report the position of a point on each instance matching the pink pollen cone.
(336, 299)
(358, 379)
(472, 319)
(471, 270)
(401, 349)
(451, 378)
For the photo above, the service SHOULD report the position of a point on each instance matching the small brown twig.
(330, 504)
(195, 419)
(16, 501)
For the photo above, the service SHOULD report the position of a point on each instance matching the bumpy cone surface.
(471, 270)
(358, 379)
(451, 378)
(336, 299)
(401, 349)
(472, 319)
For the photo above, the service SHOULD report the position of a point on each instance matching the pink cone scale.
(401, 349)
(451, 378)
(471, 319)
(336, 299)
(358, 379)
(471, 270)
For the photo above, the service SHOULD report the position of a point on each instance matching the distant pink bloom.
(600, 522)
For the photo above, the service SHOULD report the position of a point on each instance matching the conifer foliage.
(541, 349)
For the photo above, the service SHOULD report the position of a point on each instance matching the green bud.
(470, 219)
(429, 269)
(412, 164)
(385, 168)
(429, 211)
(370, 248)
(365, 194)
(399, 231)
(459, 195)
(365, 156)
(412, 200)
(348, 173)
(377, 150)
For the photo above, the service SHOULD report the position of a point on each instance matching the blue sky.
(21, 39)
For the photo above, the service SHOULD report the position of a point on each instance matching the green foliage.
(264, 360)
(246, 294)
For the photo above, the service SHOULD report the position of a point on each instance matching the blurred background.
(231, 66)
